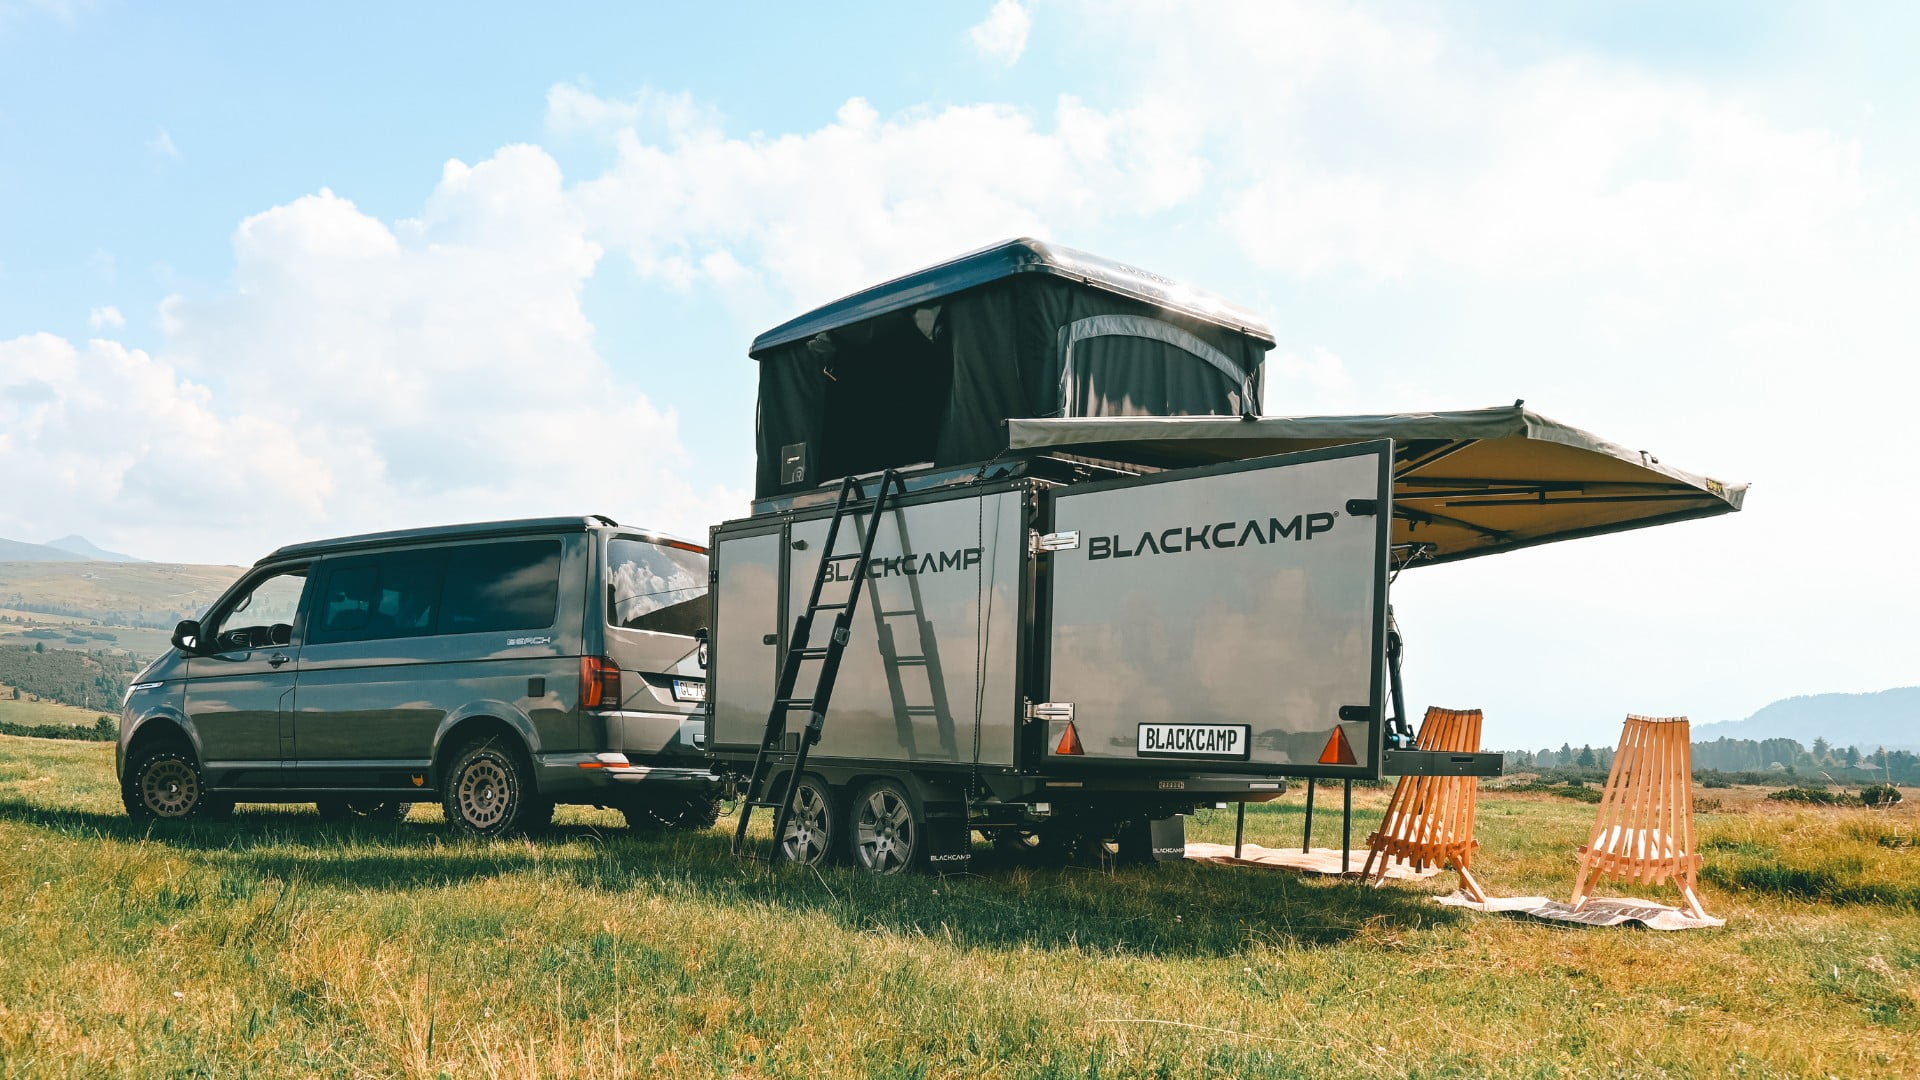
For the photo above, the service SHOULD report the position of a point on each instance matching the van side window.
(494, 587)
(394, 596)
(656, 587)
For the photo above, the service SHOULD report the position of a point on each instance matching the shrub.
(1714, 782)
(1879, 795)
(1813, 796)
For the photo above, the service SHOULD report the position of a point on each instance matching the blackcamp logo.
(1181, 539)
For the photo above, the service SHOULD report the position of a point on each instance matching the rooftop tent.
(1466, 483)
(929, 367)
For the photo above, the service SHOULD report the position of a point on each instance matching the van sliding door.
(1229, 618)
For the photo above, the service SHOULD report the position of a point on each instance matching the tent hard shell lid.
(927, 368)
(1465, 483)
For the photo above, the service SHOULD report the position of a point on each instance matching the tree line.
(68, 676)
(1761, 758)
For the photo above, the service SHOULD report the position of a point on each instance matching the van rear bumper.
(569, 774)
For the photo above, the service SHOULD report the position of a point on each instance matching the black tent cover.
(927, 368)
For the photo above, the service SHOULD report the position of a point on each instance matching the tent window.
(1149, 385)
(886, 383)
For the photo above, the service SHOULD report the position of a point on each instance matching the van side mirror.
(700, 635)
(186, 635)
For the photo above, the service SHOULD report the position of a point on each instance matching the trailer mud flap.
(1225, 619)
(949, 844)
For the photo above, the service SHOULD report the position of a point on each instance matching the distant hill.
(20, 551)
(114, 593)
(81, 546)
(1890, 718)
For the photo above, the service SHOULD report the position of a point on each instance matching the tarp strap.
(1142, 326)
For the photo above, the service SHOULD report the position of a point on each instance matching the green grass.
(276, 945)
(46, 713)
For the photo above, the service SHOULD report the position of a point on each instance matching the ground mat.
(1599, 911)
(1317, 861)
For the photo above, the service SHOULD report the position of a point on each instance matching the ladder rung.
(823, 607)
(843, 558)
(909, 661)
(897, 614)
(795, 703)
(923, 710)
(812, 650)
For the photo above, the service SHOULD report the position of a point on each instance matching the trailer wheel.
(809, 836)
(886, 834)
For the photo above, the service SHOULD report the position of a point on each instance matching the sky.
(270, 274)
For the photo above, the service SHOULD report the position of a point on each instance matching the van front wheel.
(488, 791)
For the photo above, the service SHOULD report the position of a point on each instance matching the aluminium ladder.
(773, 743)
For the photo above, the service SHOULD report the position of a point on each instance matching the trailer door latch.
(1050, 710)
(1041, 543)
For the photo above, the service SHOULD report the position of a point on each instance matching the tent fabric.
(936, 380)
(1466, 483)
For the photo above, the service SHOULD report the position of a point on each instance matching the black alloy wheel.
(488, 791)
(165, 784)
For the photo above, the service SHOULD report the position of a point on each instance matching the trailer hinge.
(1050, 710)
(1363, 507)
(1358, 714)
(1039, 543)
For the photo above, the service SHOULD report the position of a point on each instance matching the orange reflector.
(1338, 751)
(1069, 741)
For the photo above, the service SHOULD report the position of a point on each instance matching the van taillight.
(599, 683)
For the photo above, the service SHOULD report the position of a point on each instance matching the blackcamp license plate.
(1195, 740)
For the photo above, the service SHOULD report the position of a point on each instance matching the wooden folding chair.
(1430, 818)
(1644, 832)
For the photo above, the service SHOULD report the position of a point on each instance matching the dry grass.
(27, 710)
(279, 946)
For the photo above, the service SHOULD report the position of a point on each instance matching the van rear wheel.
(488, 791)
(340, 808)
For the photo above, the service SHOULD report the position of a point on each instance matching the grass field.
(275, 945)
(47, 713)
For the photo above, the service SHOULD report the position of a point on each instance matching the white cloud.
(1002, 35)
(106, 317)
(814, 214)
(361, 374)
(162, 144)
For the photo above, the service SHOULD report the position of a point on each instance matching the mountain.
(81, 546)
(18, 551)
(1890, 718)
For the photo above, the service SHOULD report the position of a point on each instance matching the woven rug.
(1599, 911)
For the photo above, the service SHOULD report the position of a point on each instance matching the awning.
(1466, 483)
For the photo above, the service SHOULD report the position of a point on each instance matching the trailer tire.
(812, 836)
(886, 830)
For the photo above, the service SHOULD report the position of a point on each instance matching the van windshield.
(655, 587)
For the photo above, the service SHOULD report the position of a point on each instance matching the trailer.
(1025, 560)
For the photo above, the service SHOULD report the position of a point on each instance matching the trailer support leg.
(1346, 822)
(1239, 828)
(1306, 841)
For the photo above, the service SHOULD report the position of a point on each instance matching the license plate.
(689, 691)
(1195, 740)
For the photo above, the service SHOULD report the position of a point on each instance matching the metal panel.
(941, 608)
(1247, 594)
(746, 636)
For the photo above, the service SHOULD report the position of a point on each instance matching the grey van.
(495, 668)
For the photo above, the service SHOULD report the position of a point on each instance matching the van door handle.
(278, 658)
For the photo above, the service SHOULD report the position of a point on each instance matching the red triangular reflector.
(1069, 741)
(1338, 751)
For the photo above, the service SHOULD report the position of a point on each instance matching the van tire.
(164, 783)
(342, 808)
(488, 791)
(689, 812)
